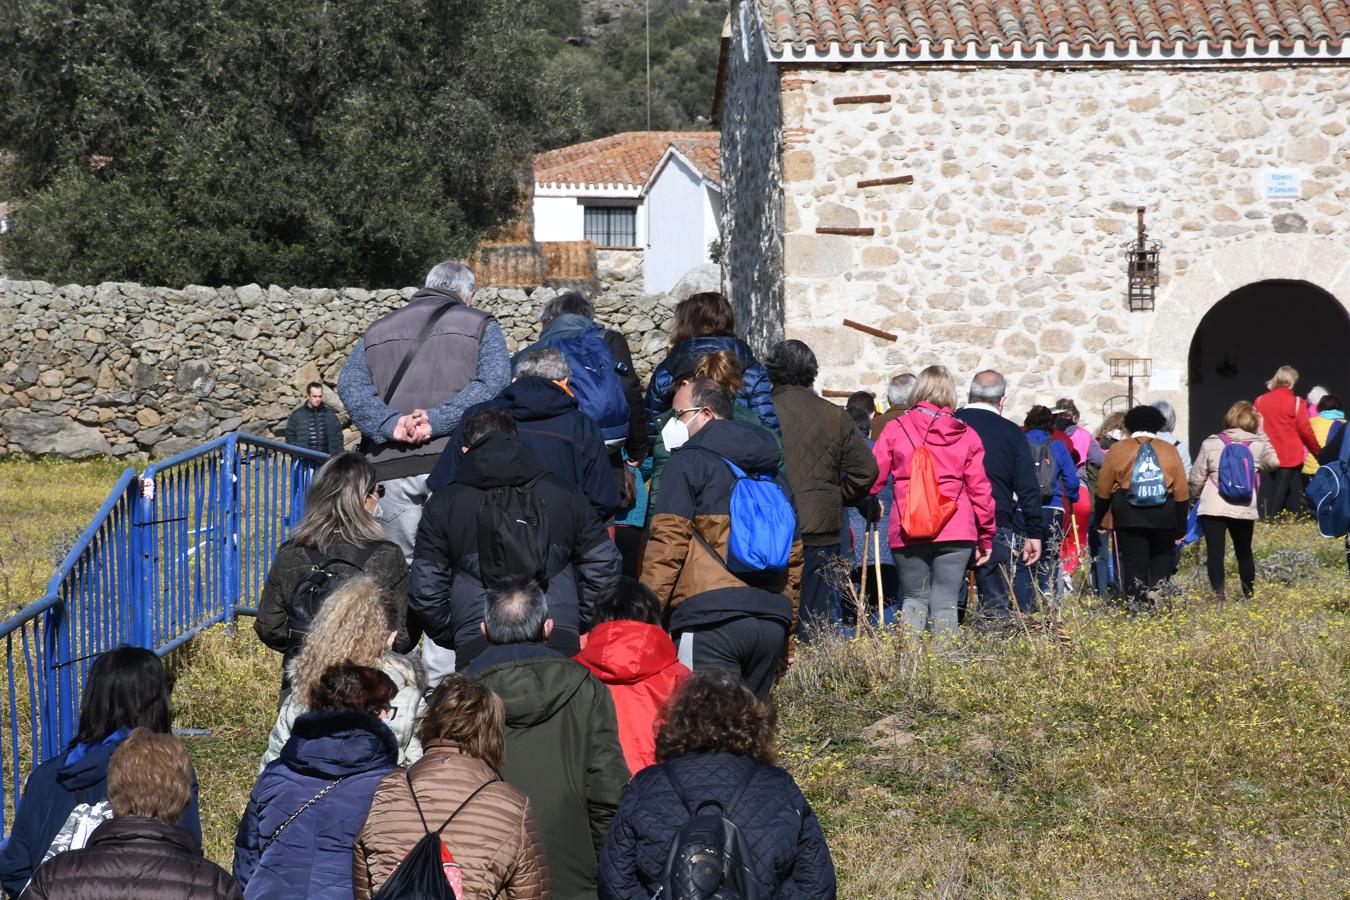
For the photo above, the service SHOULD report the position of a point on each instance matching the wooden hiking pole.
(876, 562)
(860, 607)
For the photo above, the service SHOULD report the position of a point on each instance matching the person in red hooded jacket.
(933, 567)
(1284, 416)
(630, 652)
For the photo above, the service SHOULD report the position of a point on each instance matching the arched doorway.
(1254, 330)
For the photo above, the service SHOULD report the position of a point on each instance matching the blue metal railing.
(182, 547)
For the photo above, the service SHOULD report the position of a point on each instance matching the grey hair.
(901, 389)
(1169, 414)
(567, 303)
(515, 611)
(988, 387)
(453, 278)
(542, 362)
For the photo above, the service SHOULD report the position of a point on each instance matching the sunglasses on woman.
(376, 490)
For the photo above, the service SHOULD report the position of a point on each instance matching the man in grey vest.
(406, 385)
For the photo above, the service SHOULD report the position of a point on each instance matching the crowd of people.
(530, 626)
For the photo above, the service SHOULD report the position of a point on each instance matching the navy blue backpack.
(595, 382)
(1329, 492)
(763, 525)
(1237, 479)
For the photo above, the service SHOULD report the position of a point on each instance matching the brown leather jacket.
(492, 838)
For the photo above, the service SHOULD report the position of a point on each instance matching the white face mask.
(674, 434)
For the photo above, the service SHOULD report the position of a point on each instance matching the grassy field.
(1199, 753)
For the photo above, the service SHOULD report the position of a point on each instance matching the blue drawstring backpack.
(1329, 494)
(1148, 485)
(763, 525)
(1237, 480)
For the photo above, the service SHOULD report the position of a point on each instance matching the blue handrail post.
(143, 560)
(61, 703)
(228, 485)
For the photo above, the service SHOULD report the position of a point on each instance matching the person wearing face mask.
(549, 421)
(723, 367)
(721, 619)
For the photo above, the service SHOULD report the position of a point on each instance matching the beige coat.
(492, 838)
(1205, 473)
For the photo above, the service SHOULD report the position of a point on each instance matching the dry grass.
(1202, 753)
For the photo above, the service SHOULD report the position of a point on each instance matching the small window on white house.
(611, 226)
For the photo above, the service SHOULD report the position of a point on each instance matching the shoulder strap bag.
(272, 838)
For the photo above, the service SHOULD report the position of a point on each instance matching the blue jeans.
(1047, 569)
(994, 579)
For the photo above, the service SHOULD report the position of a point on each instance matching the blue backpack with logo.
(1237, 479)
(763, 525)
(595, 382)
(1148, 486)
(1329, 493)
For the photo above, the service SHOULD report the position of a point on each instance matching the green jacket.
(562, 750)
(660, 454)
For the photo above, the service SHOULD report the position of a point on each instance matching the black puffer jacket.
(133, 858)
(446, 589)
(385, 566)
(782, 835)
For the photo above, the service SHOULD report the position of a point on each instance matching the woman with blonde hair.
(338, 538)
(1284, 415)
(485, 822)
(933, 552)
(1219, 515)
(353, 626)
(723, 367)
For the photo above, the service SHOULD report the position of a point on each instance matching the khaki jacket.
(1205, 473)
(492, 838)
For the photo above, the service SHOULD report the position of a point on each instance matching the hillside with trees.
(311, 142)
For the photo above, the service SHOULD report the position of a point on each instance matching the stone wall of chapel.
(1005, 251)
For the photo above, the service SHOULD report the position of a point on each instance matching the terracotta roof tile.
(873, 25)
(626, 159)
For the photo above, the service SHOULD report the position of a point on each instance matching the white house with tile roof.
(655, 195)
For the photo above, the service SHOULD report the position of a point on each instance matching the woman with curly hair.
(354, 626)
(340, 534)
(715, 749)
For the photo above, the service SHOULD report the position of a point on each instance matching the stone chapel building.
(965, 175)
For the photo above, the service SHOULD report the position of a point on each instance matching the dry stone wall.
(123, 369)
(1005, 251)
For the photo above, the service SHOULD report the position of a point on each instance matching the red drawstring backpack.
(927, 510)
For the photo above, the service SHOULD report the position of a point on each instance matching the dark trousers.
(994, 579)
(749, 647)
(1046, 574)
(1214, 528)
(1283, 492)
(819, 602)
(631, 542)
(1147, 557)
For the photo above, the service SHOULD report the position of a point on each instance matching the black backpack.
(513, 534)
(708, 859)
(325, 575)
(422, 873)
(1043, 459)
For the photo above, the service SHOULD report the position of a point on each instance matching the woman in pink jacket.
(932, 569)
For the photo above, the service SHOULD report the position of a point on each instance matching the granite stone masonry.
(128, 370)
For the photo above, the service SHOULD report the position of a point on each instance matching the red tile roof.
(892, 25)
(626, 159)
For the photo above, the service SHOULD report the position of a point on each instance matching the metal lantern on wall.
(1141, 256)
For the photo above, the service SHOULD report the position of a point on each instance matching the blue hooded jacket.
(756, 392)
(312, 857)
(80, 775)
(1066, 473)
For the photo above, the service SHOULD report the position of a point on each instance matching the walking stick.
(876, 562)
(860, 601)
